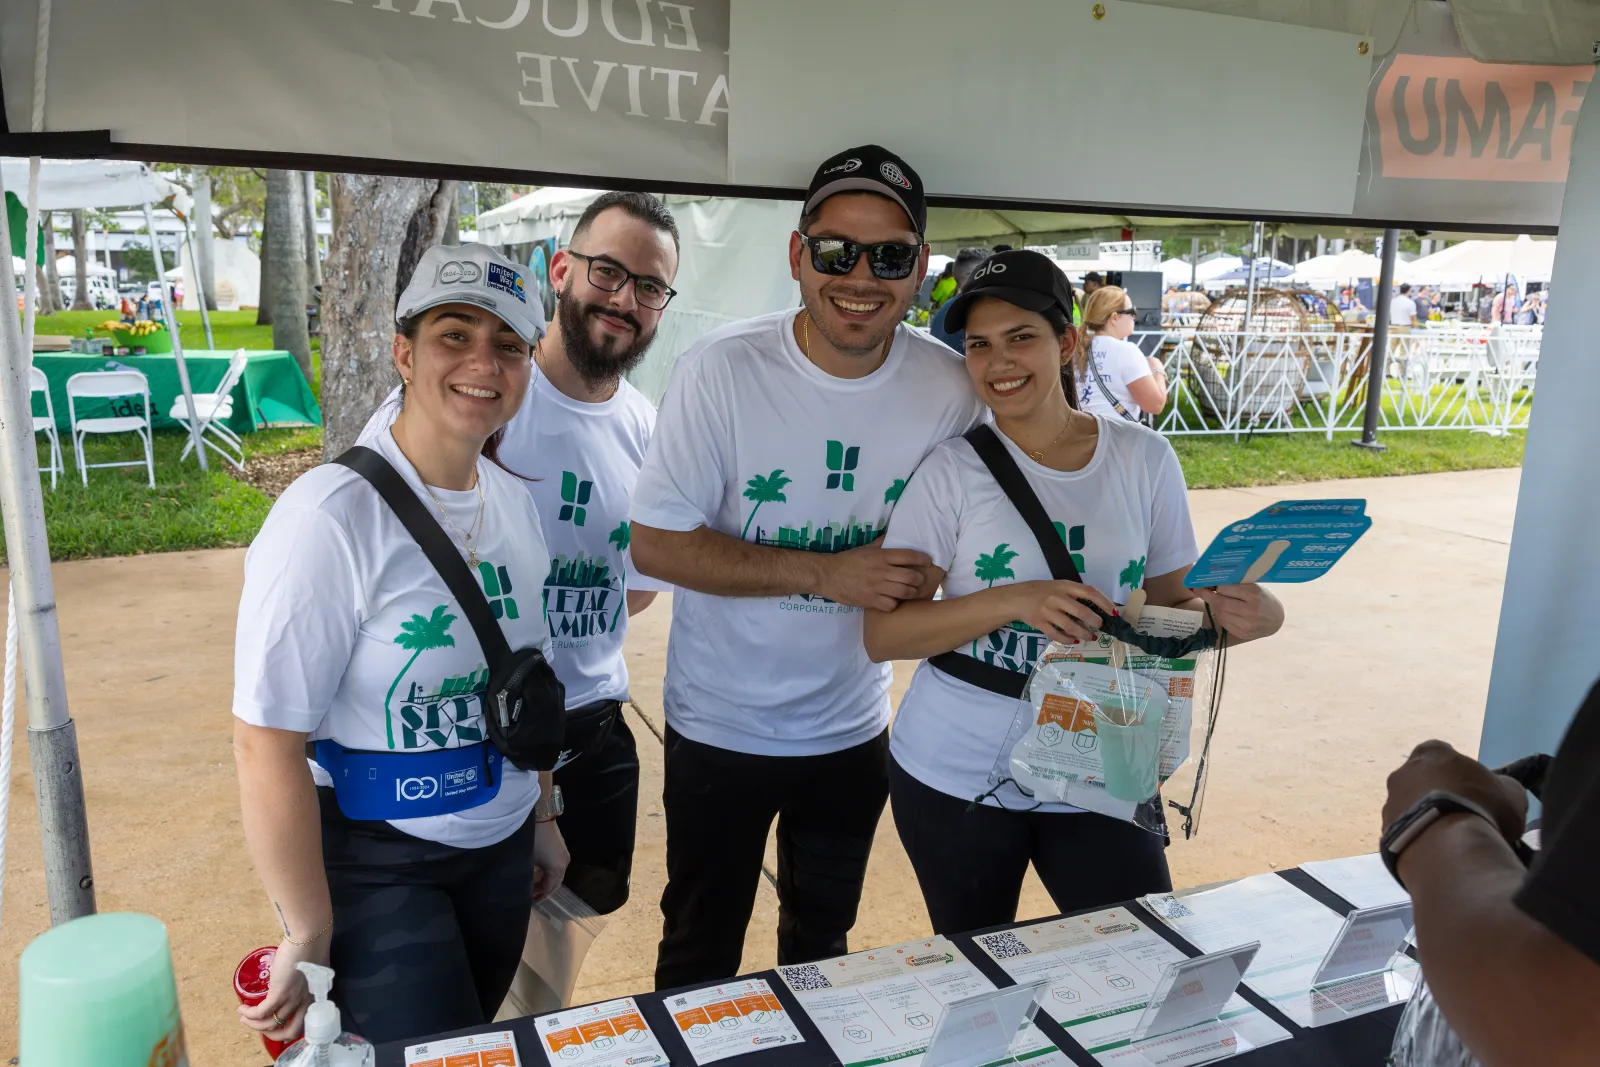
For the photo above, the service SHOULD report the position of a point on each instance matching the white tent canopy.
(1469, 263)
(731, 262)
(67, 266)
(68, 184)
(1340, 268)
(237, 273)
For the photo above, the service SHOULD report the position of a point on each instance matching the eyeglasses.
(610, 276)
(1132, 313)
(834, 255)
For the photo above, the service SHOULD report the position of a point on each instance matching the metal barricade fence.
(1436, 378)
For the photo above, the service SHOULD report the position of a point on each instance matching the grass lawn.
(1270, 459)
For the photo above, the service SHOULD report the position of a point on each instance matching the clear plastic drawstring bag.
(1424, 1038)
(559, 935)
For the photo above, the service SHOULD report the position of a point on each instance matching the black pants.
(426, 937)
(720, 806)
(601, 791)
(970, 864)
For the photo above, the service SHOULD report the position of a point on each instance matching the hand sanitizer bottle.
(324, 1045)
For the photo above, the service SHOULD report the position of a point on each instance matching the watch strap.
(1415, 820)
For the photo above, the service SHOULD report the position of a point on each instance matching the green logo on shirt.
(579, 596)
(449, 711)
(575, 497)
(841, 462)
(764, 490)
(891, 495)
(1132, 576)
(1073, 539)
(995, 565)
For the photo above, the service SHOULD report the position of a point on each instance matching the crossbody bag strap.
(1101, 382)
(435, 544)
(987, 444)
(992, 451)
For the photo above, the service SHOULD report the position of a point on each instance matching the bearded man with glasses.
(784, 442)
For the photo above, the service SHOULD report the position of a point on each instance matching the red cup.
(251, 981)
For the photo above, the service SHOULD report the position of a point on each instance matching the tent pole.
(205, 316)
(1380, 344)
(1194, 264)
(52, 737)
(172, 328)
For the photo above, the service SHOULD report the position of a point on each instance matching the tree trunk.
(426, 229)
(309, 201)
(372, 217)
(80, 255)
(286, 261)
(50, 280)
(264, 289)
(452, 221)
(205, 267)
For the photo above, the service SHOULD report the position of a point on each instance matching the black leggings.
(426, 937)
(970, 864)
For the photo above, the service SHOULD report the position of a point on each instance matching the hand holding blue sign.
(1291, 541)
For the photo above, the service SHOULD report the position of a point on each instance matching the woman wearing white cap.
(1115, 494)
(406, 851)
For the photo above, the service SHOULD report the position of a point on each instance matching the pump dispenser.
(324, 1044)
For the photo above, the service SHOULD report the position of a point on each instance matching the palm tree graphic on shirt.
(764, 490)
(622, 537)
(891, 495)
(419, 634)
(992, 566)
(1132, 576)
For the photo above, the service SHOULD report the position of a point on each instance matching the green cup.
(1130, 747)
(99, 991)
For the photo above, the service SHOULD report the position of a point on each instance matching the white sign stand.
(981, 1029)
(1366, 944)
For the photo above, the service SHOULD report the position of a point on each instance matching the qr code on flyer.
(805, 976)
(1004, 945)
(1168, 907)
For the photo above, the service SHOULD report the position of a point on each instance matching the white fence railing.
(1458, 378)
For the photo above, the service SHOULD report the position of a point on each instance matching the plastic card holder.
(1194, 991)
(1367, 942)
(981, 1029)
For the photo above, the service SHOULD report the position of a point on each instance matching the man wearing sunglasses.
(783, 444)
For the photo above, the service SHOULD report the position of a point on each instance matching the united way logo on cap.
(458, 271)
(507, 280)
(894, 175)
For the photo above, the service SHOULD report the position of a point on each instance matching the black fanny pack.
(588, 729)
(524, 707)
(986, 443)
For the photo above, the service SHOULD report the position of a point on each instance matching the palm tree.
(891, 495)
(622, 537)
(1132, 575)
(764, 490)
(996, 564)
(418, 634)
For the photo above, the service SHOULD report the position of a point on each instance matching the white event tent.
(1491, 263)
(1342, 268)
(483, 91)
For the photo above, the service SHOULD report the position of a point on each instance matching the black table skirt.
(1359, 1042)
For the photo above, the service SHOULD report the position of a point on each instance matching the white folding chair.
(110, 385)
(213, 411)
(46, 423)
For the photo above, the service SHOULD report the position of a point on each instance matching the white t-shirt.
(347, 631)
(580, 461)
(755, 441)
(1402, 311)
(1119, 363)
(1124, 517)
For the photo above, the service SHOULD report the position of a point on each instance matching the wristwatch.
(549, 805)
(1429, 809)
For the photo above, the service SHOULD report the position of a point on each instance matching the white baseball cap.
(478, 275)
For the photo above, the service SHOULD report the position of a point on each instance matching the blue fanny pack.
(409, 785)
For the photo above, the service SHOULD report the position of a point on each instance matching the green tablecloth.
(272, 389)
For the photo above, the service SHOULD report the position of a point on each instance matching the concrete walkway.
(1391, 648)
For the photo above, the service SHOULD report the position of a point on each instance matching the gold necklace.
(467, 540)
(1038, 457)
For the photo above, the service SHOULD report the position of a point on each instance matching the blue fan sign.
(1291, 541)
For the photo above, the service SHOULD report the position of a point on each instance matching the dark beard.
(598, 365)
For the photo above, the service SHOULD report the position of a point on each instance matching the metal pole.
(177, 342)
(1250, 289)
(52, 737)
(1194, 264)
(1380, 344)
(194, 261)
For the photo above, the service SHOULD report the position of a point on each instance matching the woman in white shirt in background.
(1115, 494)
(413, 878)
(1121, 380)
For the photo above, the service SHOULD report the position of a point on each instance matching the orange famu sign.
(1071, 714)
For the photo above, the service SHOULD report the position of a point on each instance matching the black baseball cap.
(870, 169)
(1027, 279)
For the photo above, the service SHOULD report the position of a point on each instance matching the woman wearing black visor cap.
(1114, 492)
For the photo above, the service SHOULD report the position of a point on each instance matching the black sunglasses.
(1130, 312)
(609, 276)
(835, 255)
